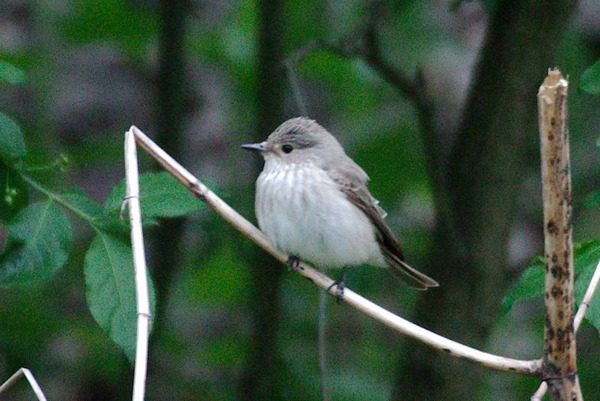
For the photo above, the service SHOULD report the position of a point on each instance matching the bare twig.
(559, 367)
(296, 90)
(531, 367)
(587, 297)
(541, 391)
(322, 342)
(32, 382)
(132, 200)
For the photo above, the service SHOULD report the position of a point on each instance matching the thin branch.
(132, 200)
(363, 44)
(32, 382)
(559, 367)
(541, 391)
(587, 298)
(453, 348)
(371, 52)
(290, 66)
(322, 345)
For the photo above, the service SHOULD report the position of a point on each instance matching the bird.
(312, 203)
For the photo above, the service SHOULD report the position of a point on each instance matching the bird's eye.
(287, 148)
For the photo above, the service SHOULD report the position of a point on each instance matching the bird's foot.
(293, 263)
(340, 285)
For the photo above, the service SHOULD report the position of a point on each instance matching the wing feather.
(359, 195)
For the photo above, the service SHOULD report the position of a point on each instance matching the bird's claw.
(340, 285)
(293, 263)
(339, 291)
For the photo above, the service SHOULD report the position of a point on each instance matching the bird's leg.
(340, 283)
(293, 263)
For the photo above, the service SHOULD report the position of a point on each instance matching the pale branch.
(32, 382)
(541, 391)
(452, 348)
(144, 317)
(559, 368)
(587, 297)
(583, 307)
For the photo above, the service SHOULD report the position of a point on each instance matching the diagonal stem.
(452, 348)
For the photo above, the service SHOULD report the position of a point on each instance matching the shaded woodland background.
(435, 99)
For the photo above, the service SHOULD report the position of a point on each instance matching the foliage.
(87, 69)
(12, 147)
(39, 238)
(531, 283)
(586, 257)
(40, 235)
(590, 80)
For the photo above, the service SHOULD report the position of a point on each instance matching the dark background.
(452, 152)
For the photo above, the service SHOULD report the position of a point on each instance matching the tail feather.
(409, 275)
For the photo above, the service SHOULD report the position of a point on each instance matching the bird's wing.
(359, 195)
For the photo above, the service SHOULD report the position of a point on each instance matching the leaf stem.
(58, 199)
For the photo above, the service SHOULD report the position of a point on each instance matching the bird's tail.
(409, 275)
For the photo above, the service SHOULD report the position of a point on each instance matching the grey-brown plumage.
(312, 202)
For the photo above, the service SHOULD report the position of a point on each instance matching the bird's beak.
(255, 147)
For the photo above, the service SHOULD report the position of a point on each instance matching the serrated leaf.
(590, 80)
(12, 143)
(11, 74)
(85, 207)
(38, 245)
(161, 195)
(585, 265)
(15, 195)
(531, 283)
(111, 298)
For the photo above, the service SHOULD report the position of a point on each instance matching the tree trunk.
(170, 100)
(262, 379)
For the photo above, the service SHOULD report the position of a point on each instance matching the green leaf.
(80, 204)
(38, 245)
(111, 297)
(531, 283)
(161, 195)
(585, 265)
(12, 143)
(15, 195)
(11, 74)
(590, 80)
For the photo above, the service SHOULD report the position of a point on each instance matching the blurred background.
(435, 99)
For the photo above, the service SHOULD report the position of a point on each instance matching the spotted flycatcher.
(312, 202)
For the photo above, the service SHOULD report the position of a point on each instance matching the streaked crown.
(301, 140)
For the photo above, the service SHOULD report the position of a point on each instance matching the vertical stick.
(139, 261)
(559, 366)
